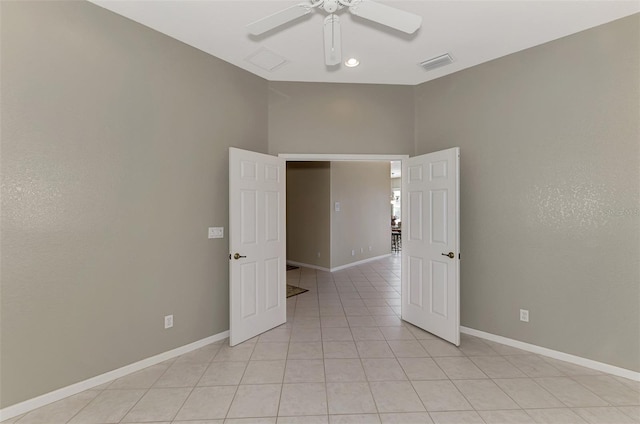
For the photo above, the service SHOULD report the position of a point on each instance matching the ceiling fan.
(366, 9)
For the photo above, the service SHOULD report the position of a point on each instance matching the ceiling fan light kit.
(366, 9)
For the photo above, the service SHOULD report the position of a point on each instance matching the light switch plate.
(216, 232)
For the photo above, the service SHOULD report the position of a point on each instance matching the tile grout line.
(196, 384)
(147, 391)
(128, 410)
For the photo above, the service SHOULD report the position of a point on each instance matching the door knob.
(450, 254)
(238, 256)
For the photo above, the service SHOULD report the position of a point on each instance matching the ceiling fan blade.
(279, 18)
(332, 43)
(386, 15)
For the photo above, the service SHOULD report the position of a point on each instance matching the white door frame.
(313, 157)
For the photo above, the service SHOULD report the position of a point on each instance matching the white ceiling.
(472, 31)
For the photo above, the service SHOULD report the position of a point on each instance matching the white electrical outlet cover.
(216, 232)
(168, 321)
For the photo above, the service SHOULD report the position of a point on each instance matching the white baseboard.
(338, 268)
(302, 264)
(583, 362)
(47, 398)
(364, 261)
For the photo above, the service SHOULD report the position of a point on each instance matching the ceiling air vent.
(437, 62)
(266, 59)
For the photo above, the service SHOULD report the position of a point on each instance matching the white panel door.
(430, 243)
(257, 271)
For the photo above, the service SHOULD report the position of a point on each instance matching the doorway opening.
(342, 213)
(343, 224)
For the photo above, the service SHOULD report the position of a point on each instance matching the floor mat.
(294, 291)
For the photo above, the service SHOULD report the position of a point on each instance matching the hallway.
(344, 356)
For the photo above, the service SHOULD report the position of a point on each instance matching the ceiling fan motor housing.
(330, 6)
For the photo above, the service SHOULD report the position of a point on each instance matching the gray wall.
(308, 213)
(362, 188)
(340, 118)
(550, 182)
(114, 163)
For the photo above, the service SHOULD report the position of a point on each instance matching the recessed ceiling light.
(352, 62)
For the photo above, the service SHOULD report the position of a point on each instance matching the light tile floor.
(344, 356)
